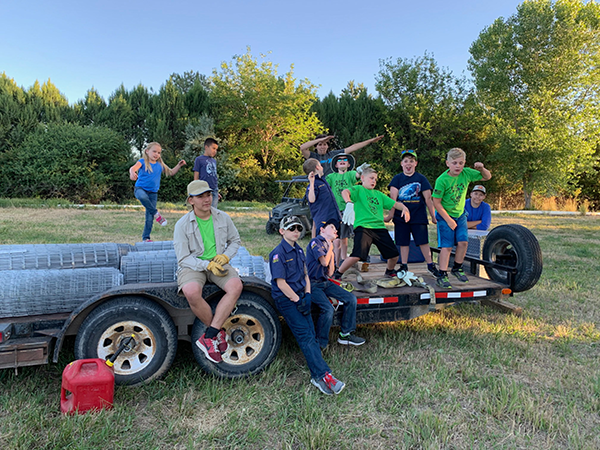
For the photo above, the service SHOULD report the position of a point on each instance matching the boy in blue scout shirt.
(320, 263)
(290, 288)
(321, 201)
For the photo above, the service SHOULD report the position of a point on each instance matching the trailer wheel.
(514, 246)
(271, 227)
(253, 335)
(154, 333)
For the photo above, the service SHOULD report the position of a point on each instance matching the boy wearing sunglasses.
(413, 190)
(290, 289)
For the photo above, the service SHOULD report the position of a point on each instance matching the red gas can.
(91, 385)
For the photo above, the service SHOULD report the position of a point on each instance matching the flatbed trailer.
(158, 317)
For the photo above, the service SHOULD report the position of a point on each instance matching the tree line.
(530, 112)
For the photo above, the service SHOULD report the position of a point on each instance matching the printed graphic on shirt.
(373, 204)
(211, 168)
(456, 191)
(410, 193)
(275, 257)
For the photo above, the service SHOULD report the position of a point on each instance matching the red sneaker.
(160, 219)
(222, 340)
(210, 348)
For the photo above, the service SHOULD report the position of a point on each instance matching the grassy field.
(464, 377)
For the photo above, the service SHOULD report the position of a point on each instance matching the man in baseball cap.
(205, 239)
(479, 213)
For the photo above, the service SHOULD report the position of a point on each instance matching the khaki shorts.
(185, 276)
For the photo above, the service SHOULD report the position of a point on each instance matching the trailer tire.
(271, 227)
(154, 332)
(253, 334)
(515, 246)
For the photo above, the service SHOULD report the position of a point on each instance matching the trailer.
(158, 317)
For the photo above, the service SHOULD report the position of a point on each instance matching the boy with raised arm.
(324, 155)
(449, 196)
(365, 209)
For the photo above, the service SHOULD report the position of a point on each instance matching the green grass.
(465, 377)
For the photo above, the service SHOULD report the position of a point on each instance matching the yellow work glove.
(217, 269)
(221, 259)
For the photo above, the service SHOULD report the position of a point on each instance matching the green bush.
(81, 164)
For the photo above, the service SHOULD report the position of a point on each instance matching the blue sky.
(84, 44)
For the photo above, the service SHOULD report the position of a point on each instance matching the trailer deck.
(407, 302)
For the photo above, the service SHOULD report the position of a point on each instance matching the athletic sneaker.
(160, 219)
(333, 383)
(337, 275)
(222, 340)
(460, 274)
(210, 348)
(148, 240)
(403, 267)
(443, 282)
(322, 386)
(433, 270)
(350, 339)
(390, 273)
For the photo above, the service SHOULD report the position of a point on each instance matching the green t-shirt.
(368, 207)
(453, 190)
(207, 230)
(339, 182)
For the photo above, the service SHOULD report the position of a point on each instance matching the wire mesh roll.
(33, 292)
(156, 245)
(152, 255)
(59, 256)
(149, 271)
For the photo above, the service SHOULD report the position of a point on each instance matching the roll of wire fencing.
(60, 256)
(33, 292)
(153, 266)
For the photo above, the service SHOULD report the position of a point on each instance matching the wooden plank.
(504, 306)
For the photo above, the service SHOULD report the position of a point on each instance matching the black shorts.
(345, 231)
(402, 232)
(365, 237)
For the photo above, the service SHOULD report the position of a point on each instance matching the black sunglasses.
(296, 228)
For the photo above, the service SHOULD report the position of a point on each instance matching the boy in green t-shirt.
(343, 177)
(449, 196)
(369, 227)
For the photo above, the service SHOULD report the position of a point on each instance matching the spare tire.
(514, 246)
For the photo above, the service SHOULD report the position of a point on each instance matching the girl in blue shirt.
(146, 174)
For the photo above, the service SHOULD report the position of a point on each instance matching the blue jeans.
(148, 199)
(303, 330)
(320, 293)
(215, 200)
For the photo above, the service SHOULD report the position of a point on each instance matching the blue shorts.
(448, 238)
